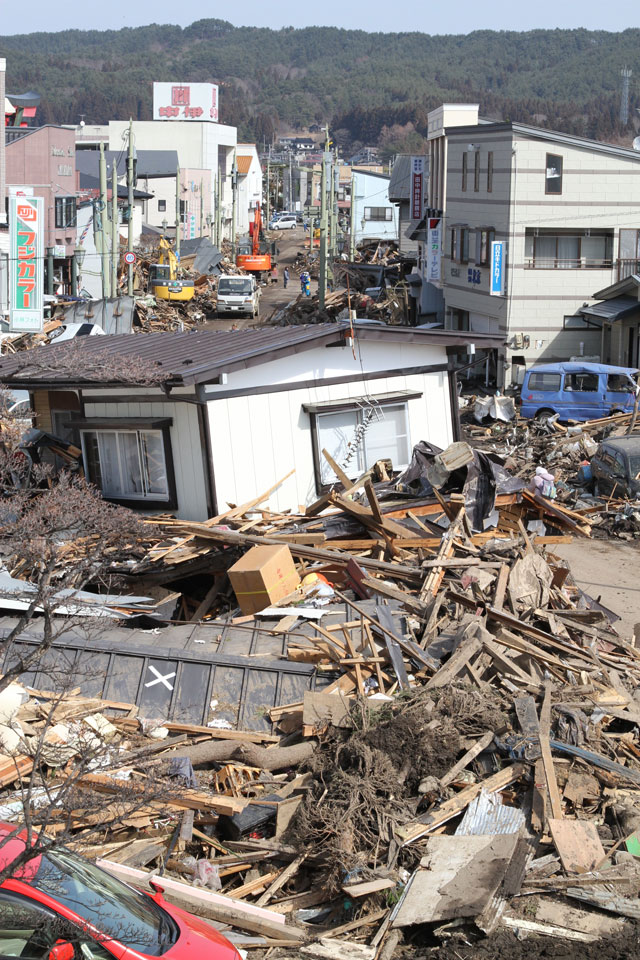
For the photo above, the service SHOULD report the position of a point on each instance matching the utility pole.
(115, 233)
(201, 209)
(333, 232)
(130, 208)
(352, 219)
(268, 185)
(101, 234)
(322, 282)
(218, 213)
(178, 213)
(234, 202)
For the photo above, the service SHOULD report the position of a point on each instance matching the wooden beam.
(547, 759)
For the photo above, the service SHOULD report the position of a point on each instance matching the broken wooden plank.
(466, 759)
(578, 844)
(547, 760)
(451, 808)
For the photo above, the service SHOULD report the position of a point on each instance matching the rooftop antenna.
(626, 74)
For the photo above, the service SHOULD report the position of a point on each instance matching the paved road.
(273, 296)
(607, 570)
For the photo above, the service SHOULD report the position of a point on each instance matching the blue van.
(577, 391)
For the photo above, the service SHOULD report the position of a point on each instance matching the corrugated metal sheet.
(487, 815)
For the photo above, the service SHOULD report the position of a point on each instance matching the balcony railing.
(11, 134)
(572, 263)
(627, 267)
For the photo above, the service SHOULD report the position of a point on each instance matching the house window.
(484, 238)
(162, 206)
(360, 434)
(490, 172)
(464, 244)
(128, 464)
(377, 213)
(65, 212)
(183, 211)
(551, 250)
(553, 174)
(476, 171)
(578, 322)
(460, 244)
(465, 163)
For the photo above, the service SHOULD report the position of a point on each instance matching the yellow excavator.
(163, 276)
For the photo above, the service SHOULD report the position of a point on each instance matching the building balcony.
(573, 263)
(627, 268)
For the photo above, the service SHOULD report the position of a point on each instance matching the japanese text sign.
(496, 286)
(185, 101)
(417, 174)
(26, 230)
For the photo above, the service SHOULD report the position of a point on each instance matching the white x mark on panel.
(160, 679)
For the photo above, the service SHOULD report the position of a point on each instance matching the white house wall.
(189, 457)
(257, 439)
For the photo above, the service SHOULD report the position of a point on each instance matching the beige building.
(200, 146)
(568, 211)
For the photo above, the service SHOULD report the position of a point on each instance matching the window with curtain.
(127, 464)
(357, 437)
(582, 249)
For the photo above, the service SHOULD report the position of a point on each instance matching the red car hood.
(197, 940)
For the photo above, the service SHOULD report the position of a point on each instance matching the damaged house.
(223, 414)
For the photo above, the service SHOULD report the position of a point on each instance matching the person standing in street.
(285, 277)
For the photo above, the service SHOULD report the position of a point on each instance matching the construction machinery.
(163, 276)
(254, 254)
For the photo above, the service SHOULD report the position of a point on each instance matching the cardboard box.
(263, 576)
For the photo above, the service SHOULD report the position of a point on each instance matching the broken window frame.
(360, 462)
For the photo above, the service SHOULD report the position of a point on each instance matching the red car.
(60, 906)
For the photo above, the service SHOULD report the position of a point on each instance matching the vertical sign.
(434, 249)
(26, 290)
(417, 173)
(496, 286)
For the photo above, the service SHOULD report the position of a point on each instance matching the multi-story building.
(568, 212)
(200, 145)
(373, 216)
(249, 185)
(43, 158)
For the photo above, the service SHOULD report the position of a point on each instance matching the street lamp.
(79, 253)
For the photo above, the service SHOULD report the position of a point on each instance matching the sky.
(376, 15)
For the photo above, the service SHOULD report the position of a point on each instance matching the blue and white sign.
(496, 285)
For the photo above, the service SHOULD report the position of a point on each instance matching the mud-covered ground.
(505, 945)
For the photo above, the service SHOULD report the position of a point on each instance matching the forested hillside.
(372, 87)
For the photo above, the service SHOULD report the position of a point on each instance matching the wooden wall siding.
(189, 459)
(256, 440)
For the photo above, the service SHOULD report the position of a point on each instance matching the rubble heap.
(464, 758)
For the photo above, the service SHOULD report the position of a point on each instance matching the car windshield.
(114, 909)
(234, 285)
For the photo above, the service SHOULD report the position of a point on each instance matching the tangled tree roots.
(367, 777)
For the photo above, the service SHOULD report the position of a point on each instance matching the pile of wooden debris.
(461, 752)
